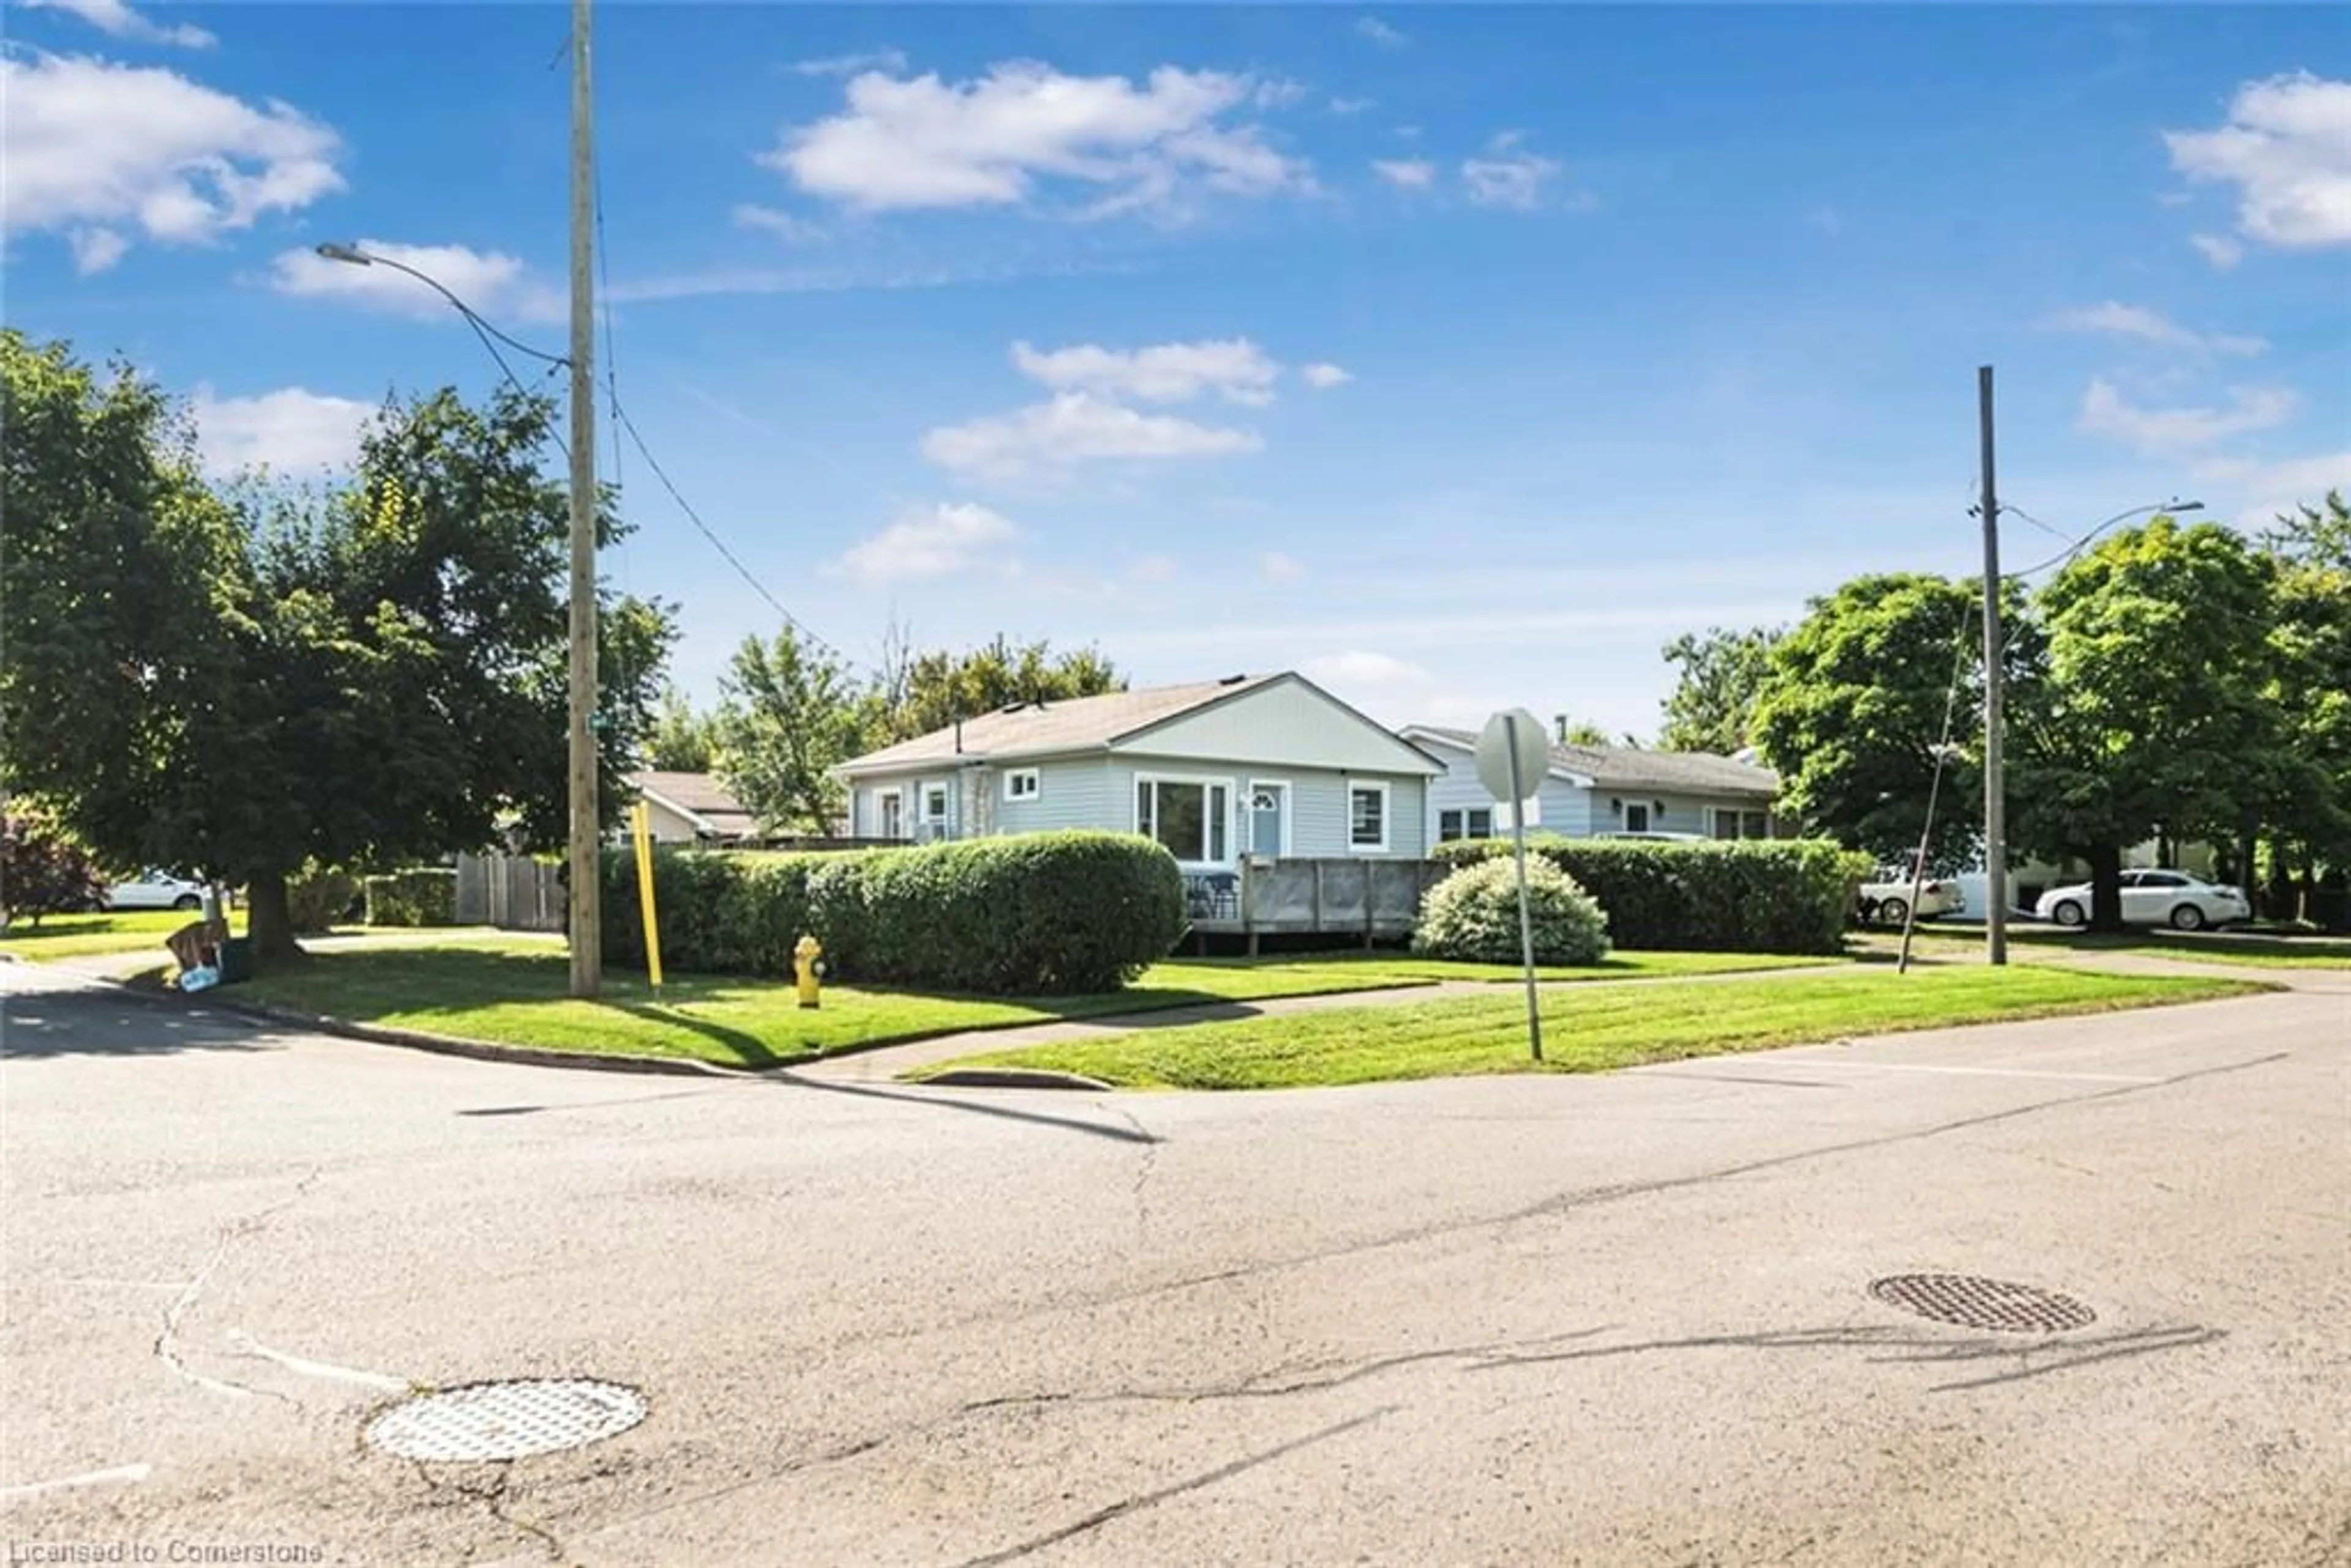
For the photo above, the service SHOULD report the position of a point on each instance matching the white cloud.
(290, 431)
(1325, 376)
(1395, 691)
(1281, 567)
(490, 282)
(1156, 569)
(2136, 322)
(2287, 149)
(1411, 173)
(849, 65)
(1380, 33)
(101, 152)
(1353, 105)
(1509, 175)
(2165, 432)
(1168, 373)
(782, 225)
(95, 250)
(2222, 251)
(116, 19)
(2265, 491)
(923, 143)
(944, 541)
(1049, 438)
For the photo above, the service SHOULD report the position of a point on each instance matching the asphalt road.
(1618, 1320)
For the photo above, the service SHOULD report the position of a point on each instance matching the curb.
(1008, 1078)
(439, 1044)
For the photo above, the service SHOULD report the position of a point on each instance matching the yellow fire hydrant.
(809, 967)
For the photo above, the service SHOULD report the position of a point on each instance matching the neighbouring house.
(1590, 790)
(693, 808)
(1265, 767)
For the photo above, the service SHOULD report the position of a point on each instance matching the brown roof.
(1040, 729)
(697, 795)
(1631, 768)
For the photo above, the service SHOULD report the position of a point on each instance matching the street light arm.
(353, 256)
(2070, 551)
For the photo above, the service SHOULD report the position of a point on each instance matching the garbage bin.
(235, 960)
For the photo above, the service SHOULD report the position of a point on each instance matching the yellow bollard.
(642, 819)
(807, 968)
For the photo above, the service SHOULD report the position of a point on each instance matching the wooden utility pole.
(1995, 798)
(587, 944)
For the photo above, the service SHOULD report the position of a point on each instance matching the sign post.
(641, 820)
(1512, 758)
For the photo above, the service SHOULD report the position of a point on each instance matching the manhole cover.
(1979, 1303)
(506, 1420)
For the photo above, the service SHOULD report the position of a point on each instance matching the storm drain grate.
(506, 1420)
(1979, 1303)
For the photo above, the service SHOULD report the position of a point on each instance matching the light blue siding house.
(1598, 790)
(1253, 766)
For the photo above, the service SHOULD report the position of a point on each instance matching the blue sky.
(1459, 357)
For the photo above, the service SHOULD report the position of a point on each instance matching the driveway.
(1614, 1319)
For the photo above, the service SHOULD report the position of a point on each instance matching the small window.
(1758, 825)
(1021, 784)
(1367, 817)
(1636, 816)
(1473, 823)
(935, 803)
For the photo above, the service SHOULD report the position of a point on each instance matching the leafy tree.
(246, 681)
(933, 689)
(682, 738)
(1855, 702)
(1584, 732)
(1712, 707)
(790, 714)
(2153, 709)
(2310, 808)
(42, 872)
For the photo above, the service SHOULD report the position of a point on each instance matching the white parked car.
(1886, 896)
(2170, 898)
(153, 889)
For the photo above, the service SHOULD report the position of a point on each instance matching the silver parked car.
(2170, 898)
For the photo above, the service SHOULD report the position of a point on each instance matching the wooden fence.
(514, 893)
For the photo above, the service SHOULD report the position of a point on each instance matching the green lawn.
(1395, 968)
(512, 992)
(76, 936)
(2253, 952)
(1591, 1030)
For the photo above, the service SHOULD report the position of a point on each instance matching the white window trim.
(1387, 816)
(1494, 824)
(1036, 784)
(1205, 780)
(946, 792)
(1289, 816)
(888, 792)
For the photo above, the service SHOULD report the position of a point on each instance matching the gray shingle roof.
(1629, 767)
(1044, 729)
(699, 794)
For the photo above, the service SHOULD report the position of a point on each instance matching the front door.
(1636, 816)
(1268, 818)
(893, 813)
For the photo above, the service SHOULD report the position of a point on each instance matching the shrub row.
(426, 896)
(1040, 913)
(320, 896)
(1781, 896)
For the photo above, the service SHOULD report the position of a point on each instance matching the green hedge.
(1776, 895)
(1039, 914)
(318, 897)
(426, 896)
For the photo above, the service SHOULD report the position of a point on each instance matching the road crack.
(167, 1339)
